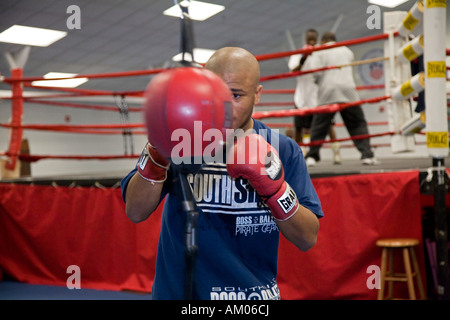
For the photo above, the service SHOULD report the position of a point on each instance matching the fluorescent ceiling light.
(31, 36)
(197, 10)
(200, 55)
(388, 3)
(66, 83)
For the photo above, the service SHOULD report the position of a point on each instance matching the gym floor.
(12, 290)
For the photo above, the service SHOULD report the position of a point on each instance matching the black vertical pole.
(188, 203)
(191, 212)
(441, 232)
(186, 37)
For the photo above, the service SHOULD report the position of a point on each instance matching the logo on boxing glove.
(273, 167)
(288, 200)
(143, 159)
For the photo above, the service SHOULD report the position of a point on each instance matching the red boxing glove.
(252, 158)
(152, 166)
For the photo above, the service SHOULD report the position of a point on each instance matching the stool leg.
(417, 271)
(391, 273)
(412, 294)
(383, 274)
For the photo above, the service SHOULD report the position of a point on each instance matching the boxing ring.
(80, 217)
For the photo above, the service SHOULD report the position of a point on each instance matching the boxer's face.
(240, 71)
(245, 94)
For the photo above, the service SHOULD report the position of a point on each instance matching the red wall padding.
(45, 229)
(358, 209)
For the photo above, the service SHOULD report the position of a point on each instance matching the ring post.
(396, 73)
(17, 112)
(437, 127)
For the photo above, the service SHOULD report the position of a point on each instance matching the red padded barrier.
(45, 229)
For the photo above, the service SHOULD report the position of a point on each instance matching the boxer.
(243, 205)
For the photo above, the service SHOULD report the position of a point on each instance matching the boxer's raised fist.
(252, 158)
(152, 166)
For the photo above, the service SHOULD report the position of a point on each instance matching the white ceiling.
(120, 35)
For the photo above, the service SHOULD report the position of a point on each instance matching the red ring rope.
(89, 76)
(320, 109)
(351, 42)
(258, 57)
(102, 129)
(34, 158)
(78, 105)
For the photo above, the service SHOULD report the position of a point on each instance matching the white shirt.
(336, 85)
(306, 89)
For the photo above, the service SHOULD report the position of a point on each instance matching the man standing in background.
(337, 86)
(306, 94)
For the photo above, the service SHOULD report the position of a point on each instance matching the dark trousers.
(355, 123)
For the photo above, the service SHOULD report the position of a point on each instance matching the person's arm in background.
(294, 62)
(317, 63)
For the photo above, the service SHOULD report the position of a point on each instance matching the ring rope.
(292, 91)
(262, 57)
(102, 129)
(291, 125)
(88, 92)
(62, 127)
(257, 115)
(78, 105)
(35, 158)
(301, 73)
(89, 76)
(335, 107)
(351, 42)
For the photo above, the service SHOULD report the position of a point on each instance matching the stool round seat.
(397, 243)
(406, 247)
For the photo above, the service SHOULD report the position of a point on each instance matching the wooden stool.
(407, 246)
